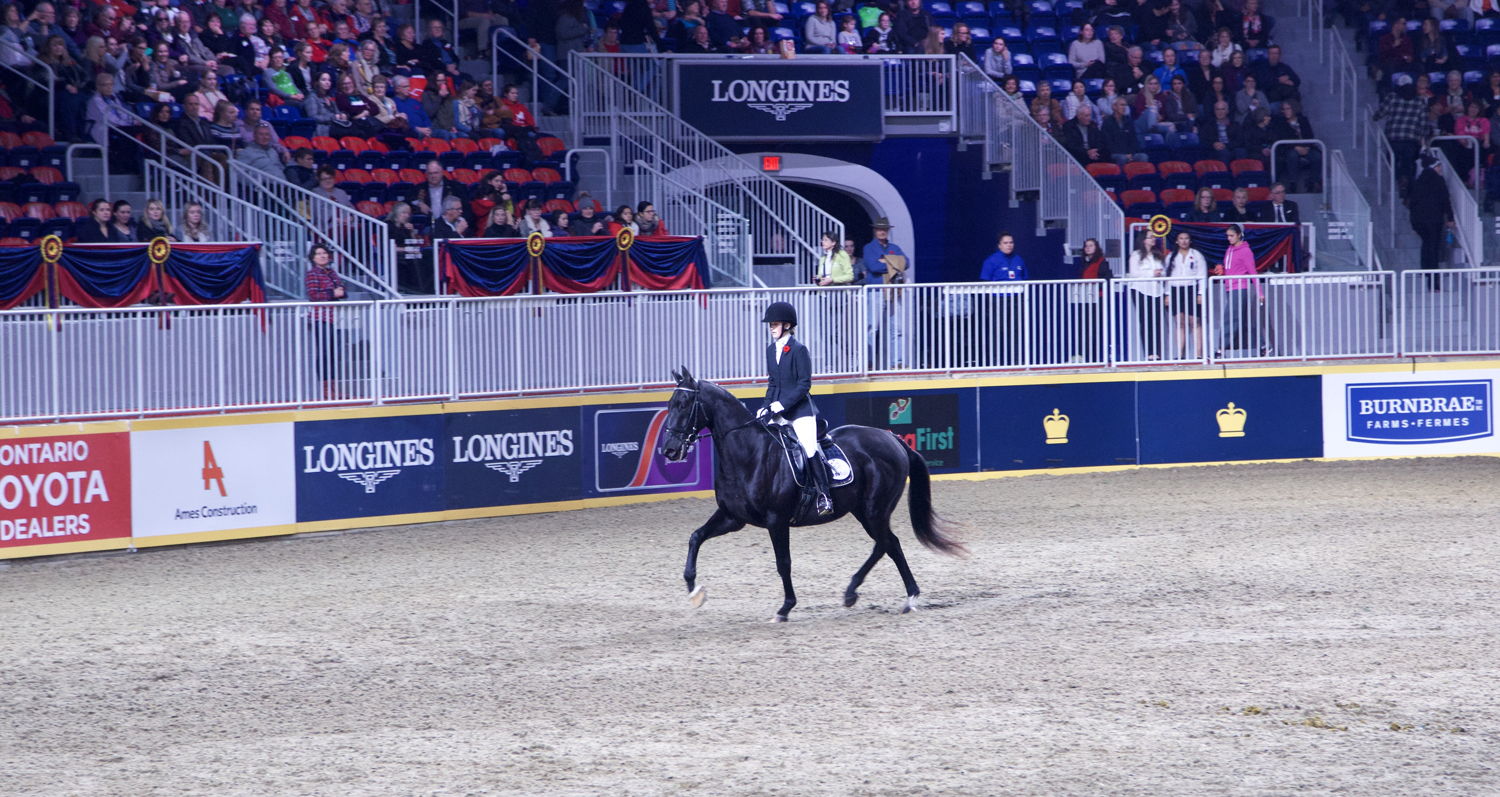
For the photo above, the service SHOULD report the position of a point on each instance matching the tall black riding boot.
(817, 467)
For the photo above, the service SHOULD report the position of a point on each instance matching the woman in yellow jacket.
(834, 266)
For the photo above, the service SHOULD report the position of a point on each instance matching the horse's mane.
(714, 389)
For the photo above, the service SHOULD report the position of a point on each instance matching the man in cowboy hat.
(884, 263)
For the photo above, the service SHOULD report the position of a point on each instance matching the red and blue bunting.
(584, 264)
(120, 275)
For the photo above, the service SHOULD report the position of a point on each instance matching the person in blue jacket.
(1004, 265)
(1005, 304)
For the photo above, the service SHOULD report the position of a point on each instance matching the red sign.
(770, 163)
(64, 489)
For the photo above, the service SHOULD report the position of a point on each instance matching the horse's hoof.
(698, 596)
(780, 618)
(910, 606)
(850, 598)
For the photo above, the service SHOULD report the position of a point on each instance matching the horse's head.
(685, 417)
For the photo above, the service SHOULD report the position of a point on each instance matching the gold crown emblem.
(1231, 421)
(1056, 426)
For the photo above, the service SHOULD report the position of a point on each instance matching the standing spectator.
(1431, 214)
(324, 285)
(574, 30)
(412, 273)
(99, 228)
(451, 224)
(194, 227)
(328, 189)
(1005, 305)
(1406, 125)
(1301, 164)
(819, 32)
(1086, 54)
(648, 221)
(1083, 139)
(997, 60)
(106, 110)
(911, 26)
(1142, 269)
(885, 263)
(1086, 302)
(154, 223)
(1003, 265)
(1241, 319)
(1186, 268)
(71, 87)
(834, 265)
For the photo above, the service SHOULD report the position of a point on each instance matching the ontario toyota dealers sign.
(781, 100)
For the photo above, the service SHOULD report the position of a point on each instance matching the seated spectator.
(1116, 49)
(253, 118)
(99, 228)
(1114, 14)
(1120, 134)
(689, 18)
(961, 42)
(413, 270)
(587, 221)
(432, 196)
(327, 187)
(1181, 106)
(1042, 115)
(1278, 80)
(301, 16)
(1105, 105)
(723, 29)
(1083, 139)
(1217, 93)
(225, 127)
(1255, 27)
(759, 13)
(407, 51)
(624, 219)
(1432, 47)
(1201, 74)
(1169, 68)
(441, 108)
(1205, 209)
(1130, 75)
(1238, 211)
(247, 50)
(997, 60)
(1151, 18)
(500, 224)
(1301, 165)
(696, 42)
(385, 44)
(647, 221)
(1010, 89)
(1395, 52)
(1249, 99)
(366, 66)
(438, 54)
(302, 172)
(1256, 136)
(1280, 210)
(1044, 99)
(1152, 109)
(122, 219)
(1086, 54)
(452, 223)
(849, 41)
(260, 154)
(518, 123)
(392, 121)
(209, 96)
(1453, 97)
(154, 223)
(1220, 133)
(759, 42)
(319, 105)
(1077, 97)
(489, 193)
(532, 222)
(911, 26)
(354, 112)
(166, 75)
(881, 38)
(221, 44)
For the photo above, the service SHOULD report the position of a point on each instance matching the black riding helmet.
(780, 311)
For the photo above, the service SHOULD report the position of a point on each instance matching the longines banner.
(782, 100)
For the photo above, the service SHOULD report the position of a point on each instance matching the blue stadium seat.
(1153, 142)
(1179, 210)
(942, 12)
(25, 228)
(34, 192)
(981, 36)
(66, 192)
(1060, 86)
(1453, 25)
(999, 9)
(1042, 33)
(341, 160)
(25, 157)
(59, 227)
(55, 156)
(1050, 58)
(1012, 34)
(1063, 72)
(804, 9)
(971, 8)
(1095, 86)
(1486, 31)
(1028, 88)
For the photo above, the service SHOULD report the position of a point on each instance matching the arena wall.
(71, 488)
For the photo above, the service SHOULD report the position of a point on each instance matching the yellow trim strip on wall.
(60, 548)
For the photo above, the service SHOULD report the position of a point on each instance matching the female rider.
(789, 368)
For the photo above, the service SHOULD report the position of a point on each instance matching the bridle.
(693, 431)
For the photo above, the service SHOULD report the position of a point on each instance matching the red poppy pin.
(785, 349)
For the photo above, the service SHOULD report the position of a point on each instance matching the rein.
(688, 438)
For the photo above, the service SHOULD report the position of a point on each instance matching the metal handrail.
(196, 155)
(1301, 142)
(609, 169)
(728, 250)
(534, 58)
(1468, 226)
(50, 87)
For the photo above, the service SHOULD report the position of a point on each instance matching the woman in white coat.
(1186, 268)
(1144, 265)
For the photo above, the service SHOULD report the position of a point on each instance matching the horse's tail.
(932, 530)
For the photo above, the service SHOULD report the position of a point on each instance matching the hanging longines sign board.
(782, 100)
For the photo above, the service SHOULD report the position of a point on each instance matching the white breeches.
(806, 430)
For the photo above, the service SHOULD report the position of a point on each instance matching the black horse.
(753, 485)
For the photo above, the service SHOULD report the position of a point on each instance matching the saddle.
(840, 472)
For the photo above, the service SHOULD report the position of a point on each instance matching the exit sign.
(770, 163)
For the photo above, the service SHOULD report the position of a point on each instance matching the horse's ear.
(676, 376)
(687, 376)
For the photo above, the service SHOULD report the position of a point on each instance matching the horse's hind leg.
(851, 592)
(893, 550)
(720, 523)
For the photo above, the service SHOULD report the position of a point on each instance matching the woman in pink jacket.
(1242, 319)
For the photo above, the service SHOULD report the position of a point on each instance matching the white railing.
(79, 363)
(505, 47)
(361, 244)
(726, 234)
(782, 223)
(1449, 311)
(1348, 208)
(915, 85)
(283, 253)
(975, 93)
(1468, 227)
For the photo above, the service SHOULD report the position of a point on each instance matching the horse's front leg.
(719, 523)
(781, 541)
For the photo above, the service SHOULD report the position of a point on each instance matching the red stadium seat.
(412, 176)
(371, 208)
(1259, 193)
(1134, 169)
(376, 145)
(1174, 167)
(1209, 166)
(41, 211)
(295, 143)
(1241, 165)
(10, 211)
(1176, 195)
(1222, 194)
(1137, 197)
(9, 140)
(1103, 170)
(354, 144)
(517, 176)
(11, 172)
(465, 145)
(71, 210)
(489, 143)
(325, 143)
(14, 242)
(354, 176)
(465, 176)
(555, 205)
(550, 145)
(38, 139)
(546, 175)
(46, 175)
(436, 146)
(384, 176)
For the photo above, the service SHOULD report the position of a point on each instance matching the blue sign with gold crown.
(1068, 425)
(1210, 420)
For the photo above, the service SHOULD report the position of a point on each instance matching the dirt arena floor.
(1260, 629)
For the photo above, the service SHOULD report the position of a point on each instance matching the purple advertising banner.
(623, 442)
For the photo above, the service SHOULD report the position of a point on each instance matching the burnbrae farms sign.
(781, 100)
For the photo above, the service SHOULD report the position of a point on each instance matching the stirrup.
(824, 504)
